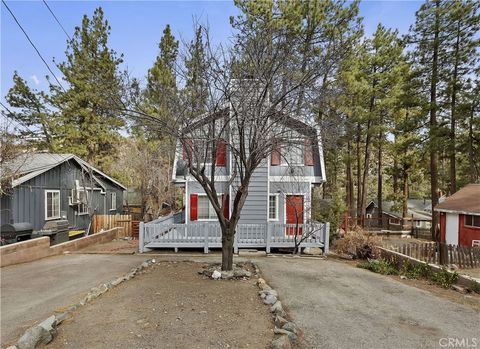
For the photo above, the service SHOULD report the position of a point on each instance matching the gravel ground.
(171, 306)
(340, 306)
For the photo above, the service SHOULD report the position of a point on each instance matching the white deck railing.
(167, 234)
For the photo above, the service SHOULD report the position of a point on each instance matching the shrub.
(415, 271)
(358, 244)
(380, 266)
(444, 278)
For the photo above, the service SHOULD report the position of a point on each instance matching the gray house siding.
(27, 201)
(255, 208)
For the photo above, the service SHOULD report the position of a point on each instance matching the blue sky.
(136, 30)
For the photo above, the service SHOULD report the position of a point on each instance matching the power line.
(33, 45)
(58, 21)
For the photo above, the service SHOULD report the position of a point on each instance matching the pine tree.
(89, 107)
(34, 113)
(161, 89)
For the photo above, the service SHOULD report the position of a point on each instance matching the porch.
(167, 233)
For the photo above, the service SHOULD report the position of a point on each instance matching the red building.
(460, 217)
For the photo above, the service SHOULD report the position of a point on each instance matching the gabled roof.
(466, 201)
(418, 208)
(28, 166)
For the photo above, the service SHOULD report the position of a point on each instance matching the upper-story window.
(201, 151)
(52, 204)
(301, 153)
(294, 155)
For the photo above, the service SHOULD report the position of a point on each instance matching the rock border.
(46, 330)
(286, 332)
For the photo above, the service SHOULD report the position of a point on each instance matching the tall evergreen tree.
(89, 107)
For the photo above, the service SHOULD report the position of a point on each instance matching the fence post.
(141, 238)
(205, 236)
(269, 233)
(326, 240)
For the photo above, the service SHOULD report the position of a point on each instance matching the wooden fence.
(106, 222)
(431, 252)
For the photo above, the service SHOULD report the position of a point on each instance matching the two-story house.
(279, 201)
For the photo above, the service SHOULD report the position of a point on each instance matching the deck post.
(235, 243)
(326, 240)
(141, 237)
(205, 236)
(267, 240)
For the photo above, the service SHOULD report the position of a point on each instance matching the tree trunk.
(228, 238)
(405, 193)
(433, 124)
(380, 177)
(349, 178)
(471, 153)
(453, 172)
(359, 176)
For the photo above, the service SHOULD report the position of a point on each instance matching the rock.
(62, 317)
(42, 333)
(270, 299)
(262, 295)
(280, 321)
(277, 309)
(226, 274)
(269, 292)
(144, 265)
(264, 287)
(292, 336)
(12, 347)
(239, 273)
(216, 275)
(460, 289)
(260, 281)
(313, 251)
(281, 342)
(291, 327)
(117, 281)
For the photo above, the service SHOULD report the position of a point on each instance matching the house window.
(83, 197)
(205, 209)
(273, 207)
(472, 221)
(294, 155)
(394, 221)
(113, 201)
(418, 224)
(369, 215)
(52, 204)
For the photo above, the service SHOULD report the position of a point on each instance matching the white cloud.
(35, 79)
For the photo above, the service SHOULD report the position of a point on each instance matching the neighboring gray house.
(418, 210)
(47, 187)
(276, 194)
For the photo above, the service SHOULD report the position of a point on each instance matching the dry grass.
(358, 244)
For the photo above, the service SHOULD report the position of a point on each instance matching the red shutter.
(308, 153)
(193, 207)
(221, 156)
(226, 205)
(276, 153)
(187, 148)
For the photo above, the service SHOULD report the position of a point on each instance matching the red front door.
(294, 210)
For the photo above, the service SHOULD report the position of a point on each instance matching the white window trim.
(113, 202)
(390, 221)
(468, 225)
(46, 206)
(209, 203)
(85, 190)
(277, 218)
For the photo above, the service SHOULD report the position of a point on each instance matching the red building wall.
(466, 233)
(443, 222)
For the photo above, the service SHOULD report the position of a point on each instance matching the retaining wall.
(31, 250)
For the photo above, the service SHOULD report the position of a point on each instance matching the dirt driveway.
(171, 306)
(340, 306)
(31, 291)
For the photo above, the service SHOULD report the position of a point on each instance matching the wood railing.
(441, 253)
(166, 233)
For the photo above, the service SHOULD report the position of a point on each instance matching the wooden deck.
(167, 234)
